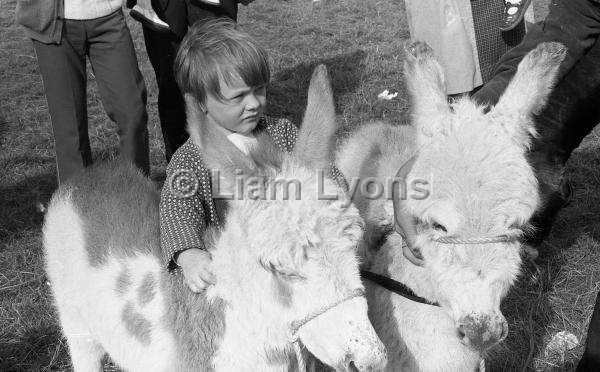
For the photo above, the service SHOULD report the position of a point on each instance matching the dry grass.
(360, 41)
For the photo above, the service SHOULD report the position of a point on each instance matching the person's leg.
(64, 74)
(571, 113)
(590, 361)
(162, 48)
(199, 11)
(120, 84)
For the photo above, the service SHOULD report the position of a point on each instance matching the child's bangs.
(245, 62)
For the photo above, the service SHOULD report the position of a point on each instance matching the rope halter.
(405, 227)
(475, 239)
(296, 324)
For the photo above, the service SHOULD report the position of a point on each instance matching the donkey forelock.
(307, 220)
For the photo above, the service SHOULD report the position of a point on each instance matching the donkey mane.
(198, 321)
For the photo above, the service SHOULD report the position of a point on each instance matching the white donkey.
(286, 270)
(470, 192)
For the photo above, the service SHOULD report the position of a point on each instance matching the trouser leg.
(198, 11)
(591, 356)
(571, 113)
(121, 85)
(64, 75)
(162, 48)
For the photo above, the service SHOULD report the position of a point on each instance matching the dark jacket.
(574, 23)
(42, 19)
(175, 12)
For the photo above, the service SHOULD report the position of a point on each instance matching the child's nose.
(253, 102)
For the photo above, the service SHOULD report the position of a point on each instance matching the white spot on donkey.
(280, 266)
(466, 230)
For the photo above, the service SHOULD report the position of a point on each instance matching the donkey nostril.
(504, 332)
(460, 332)
(352, 367)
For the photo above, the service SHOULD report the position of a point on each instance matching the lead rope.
(299, 356)
(296, 324)
(475, 239)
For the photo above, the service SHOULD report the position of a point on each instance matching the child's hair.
(216, 48)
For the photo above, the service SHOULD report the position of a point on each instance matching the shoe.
(149, 19)
(543, 218)
(513, 13)
(209, 2)
(530, 252)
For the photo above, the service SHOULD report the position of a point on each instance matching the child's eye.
(235, 96)
(261, 88)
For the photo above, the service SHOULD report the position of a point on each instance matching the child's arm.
(182, 225)
(195, 264)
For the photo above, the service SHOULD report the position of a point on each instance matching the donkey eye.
(289, 276)
(281, 272)
(286, 274)
(439, 227)
(517, 228)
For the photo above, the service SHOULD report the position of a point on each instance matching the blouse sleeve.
(291, 133)
(182, 216)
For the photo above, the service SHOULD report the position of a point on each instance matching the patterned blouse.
(186, 204)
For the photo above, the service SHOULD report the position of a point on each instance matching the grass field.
(360, 41)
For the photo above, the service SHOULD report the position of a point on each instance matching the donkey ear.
(315, 141)
(219, 155)
(528, 91)
(426, 86)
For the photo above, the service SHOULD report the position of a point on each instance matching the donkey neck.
(253, 340)
(390, 261)
(255, 336)
(256, 327)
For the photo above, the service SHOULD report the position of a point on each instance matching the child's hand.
(195, 264)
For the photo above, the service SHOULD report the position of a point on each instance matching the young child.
(223, 73)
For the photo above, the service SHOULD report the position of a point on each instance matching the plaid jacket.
(574, 23)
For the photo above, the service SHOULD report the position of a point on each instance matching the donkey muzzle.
(482, 331)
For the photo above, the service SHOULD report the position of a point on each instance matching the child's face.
(241, 109)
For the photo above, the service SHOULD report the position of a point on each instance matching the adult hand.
(404, 224)
(195, 264)
(406, 228)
